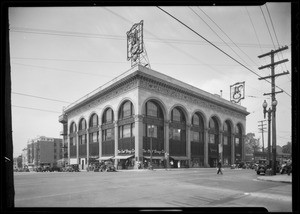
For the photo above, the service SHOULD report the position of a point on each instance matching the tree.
(287, 148)
(252, 144)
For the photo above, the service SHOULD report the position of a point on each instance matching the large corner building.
(190, 127)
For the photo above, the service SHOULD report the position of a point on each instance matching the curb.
(289, 182)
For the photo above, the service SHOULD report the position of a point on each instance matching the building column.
(116, 142)
(100, 142)
(138, 142)
(87, 148)
(232, 148)
(167, 144)
(243, 147)
(69, 150)
(77, 147)
(221, 152)
(188, 143)
(206, 140)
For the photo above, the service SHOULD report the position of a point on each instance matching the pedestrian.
(220, 168)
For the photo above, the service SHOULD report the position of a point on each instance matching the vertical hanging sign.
(135, 43)
(237, 92)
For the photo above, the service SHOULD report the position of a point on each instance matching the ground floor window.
(197, 162)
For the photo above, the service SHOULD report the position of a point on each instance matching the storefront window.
(225, 142)
(176, 134)
(195, 136)
(154, 131)
(212, 138)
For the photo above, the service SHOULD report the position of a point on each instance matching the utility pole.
(261, 128)
(273, 93)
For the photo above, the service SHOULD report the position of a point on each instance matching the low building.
(43, 151)
(143, 113)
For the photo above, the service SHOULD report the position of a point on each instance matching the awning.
(105, 158)
(155, 157)
(123, 156)
(179, 158)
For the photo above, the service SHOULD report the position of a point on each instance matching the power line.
(35, 109)
(228, 36)
(267, 25)
(276, 37)
(215, 46)
(59, 69)
(115, 37)
(28, 95)
(255, 32)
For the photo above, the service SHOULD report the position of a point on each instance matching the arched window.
(177, 133)
(94, 121)
(94, 132)
(126, 126)
(82, 124)
(238, 142)
(226, 143)
(108, 116)
(72, 132)
(153, 129)
(197, 141)
(226, 134)
(73, 127)
(82, 134)
(213, 131)
(126, 110)
(151, 109)
(197, 129)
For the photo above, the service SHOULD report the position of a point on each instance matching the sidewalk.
(276, 178)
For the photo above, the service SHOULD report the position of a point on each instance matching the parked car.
(72, 168)
(55, 169)
(262, 166)
(286, 168)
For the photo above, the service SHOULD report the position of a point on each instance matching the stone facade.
(172, 106)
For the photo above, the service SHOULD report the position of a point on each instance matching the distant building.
(44, 151)
(18, 162)
(189, 127)
(24, 158)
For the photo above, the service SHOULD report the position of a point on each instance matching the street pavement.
(153, 188)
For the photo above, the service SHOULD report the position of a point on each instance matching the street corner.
(276, 178)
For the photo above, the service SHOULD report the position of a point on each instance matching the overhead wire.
(59, 69)
(216, 34)
(276, 39)
(28, 95)
(217, 47)
(38, 109)
(255, 33)
(227, 36)
(116, 37)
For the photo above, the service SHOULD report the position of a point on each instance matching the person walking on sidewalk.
(219, 168)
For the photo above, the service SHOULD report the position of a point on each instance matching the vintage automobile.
(286, 168)
(71, 168)
(262, 166)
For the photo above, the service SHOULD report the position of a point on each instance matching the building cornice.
(148, 79)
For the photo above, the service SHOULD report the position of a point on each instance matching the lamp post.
(271, 112)
(151, 131)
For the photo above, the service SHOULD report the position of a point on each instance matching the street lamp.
(151, 131)
(271, 112)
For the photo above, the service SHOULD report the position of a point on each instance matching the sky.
(60, 54)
